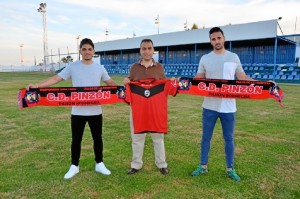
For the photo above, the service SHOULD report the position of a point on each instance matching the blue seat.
(270, 77)
(283, 77)
(265, 76)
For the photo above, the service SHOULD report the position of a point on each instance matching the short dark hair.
(215, 29)
(146, 40)
(86, 41)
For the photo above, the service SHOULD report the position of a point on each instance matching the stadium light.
(106, 34)
(185, 25)
(279, 18)
(157, 22)
(43, 11)
(21, 54)
(275, 48)
(77, 38)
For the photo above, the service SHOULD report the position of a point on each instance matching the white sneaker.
(100, 167)
(72, 172)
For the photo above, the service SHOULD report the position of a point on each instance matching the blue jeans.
(209, 119)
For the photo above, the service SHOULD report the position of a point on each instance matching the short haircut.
(215, 29)
(146, 40)
(86, 41)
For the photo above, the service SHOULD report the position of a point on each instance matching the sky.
(22, 25)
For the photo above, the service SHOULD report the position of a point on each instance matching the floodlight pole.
(279, 18)
(157, 22)
(21, 54)
(43, 11)
(275, 49)
(77, 38)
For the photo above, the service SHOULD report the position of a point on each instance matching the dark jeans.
(77, 125)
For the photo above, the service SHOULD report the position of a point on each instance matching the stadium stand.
(282, 73)
(263, 54)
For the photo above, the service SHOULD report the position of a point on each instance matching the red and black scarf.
(238, 89)
(71, 96)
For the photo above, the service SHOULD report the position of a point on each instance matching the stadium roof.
(293, 38)
(237, 32)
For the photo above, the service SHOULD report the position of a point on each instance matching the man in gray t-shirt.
(219, 64)
(83, 73)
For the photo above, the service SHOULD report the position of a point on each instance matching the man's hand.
(126, 80)
(172, 78)
(273, 82)
(31, 86)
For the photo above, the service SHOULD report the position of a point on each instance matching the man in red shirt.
(146, 68)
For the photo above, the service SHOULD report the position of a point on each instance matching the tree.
(194, 27)
(67, 59)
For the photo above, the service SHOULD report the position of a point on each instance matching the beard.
(218, 47)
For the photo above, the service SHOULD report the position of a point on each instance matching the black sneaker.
(132, 171)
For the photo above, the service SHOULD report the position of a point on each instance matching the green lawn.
(35, 150)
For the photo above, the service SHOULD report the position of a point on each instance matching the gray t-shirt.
(85, 75)
(220, 66)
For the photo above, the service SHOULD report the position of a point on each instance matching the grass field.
(35, 150)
